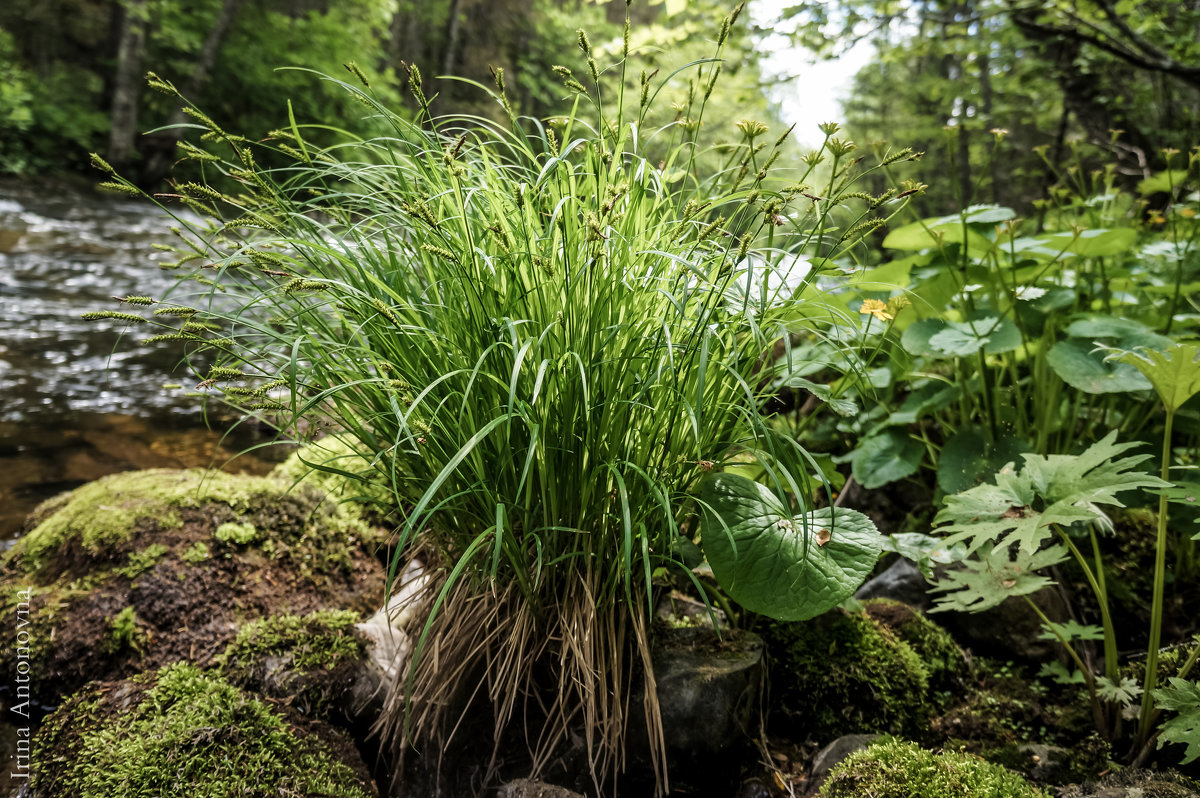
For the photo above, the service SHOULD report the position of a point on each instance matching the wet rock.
(141, 569)
(1137, 784)
(832, 755)
(527, 788)
(181, 731)
(901, 581)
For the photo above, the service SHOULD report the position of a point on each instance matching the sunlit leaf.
(1175, 373)
(771, 561)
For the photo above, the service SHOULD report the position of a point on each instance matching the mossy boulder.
(181, 731)
(337, 467)
(944, 661)
(845, 673)
(310, 662)
(145, 568)
(901, 769)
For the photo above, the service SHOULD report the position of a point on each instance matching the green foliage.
(1182, 697)
(16, 106)
(1175, 373)
(899, 769)
(755, 546)
(1069, 488)
(539, 338)
(184, 730)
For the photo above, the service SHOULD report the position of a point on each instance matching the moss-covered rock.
(943, 659)
(335, 466)
(900, 769)
(142, 569)
(311, 662)
(844, 673)
(181, 731)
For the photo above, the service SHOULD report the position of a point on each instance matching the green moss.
(309, 659)
(100, 521)
(844, 673)
(900, 769)
(233, 532)
(943, 659)
(124, 632)
(358, 482)
(189, 733)
(104, 514)
(196, 553)
(142, 561)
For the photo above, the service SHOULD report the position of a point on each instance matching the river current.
(80, 399)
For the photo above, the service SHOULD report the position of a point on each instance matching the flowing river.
(80, 399)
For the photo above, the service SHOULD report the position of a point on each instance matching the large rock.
(708, 686)
(900, 581)
(845, 673)
(146, 568)
(180, 731)
(1138, 784)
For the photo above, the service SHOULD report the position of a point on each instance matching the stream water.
(80, 399)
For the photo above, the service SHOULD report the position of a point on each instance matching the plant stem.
(1088, 678)
(1156, 611)
(1110, 637)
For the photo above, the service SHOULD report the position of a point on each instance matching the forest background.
(944, 75)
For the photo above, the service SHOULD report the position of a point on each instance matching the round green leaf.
(1091, 243)
(917, 335)
(771, 562)
(1088, 371)
(886, 457)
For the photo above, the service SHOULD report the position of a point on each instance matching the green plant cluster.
(899, 769)
(180, 730)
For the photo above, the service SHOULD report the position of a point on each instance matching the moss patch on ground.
(180, 731)
(844, 673)
(310, 661)
(900, 769)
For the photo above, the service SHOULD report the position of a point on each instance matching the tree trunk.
(452, 31)
(127, 82)
(161, 155)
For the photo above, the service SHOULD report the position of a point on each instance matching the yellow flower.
(1187, 213)
(873, 307)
